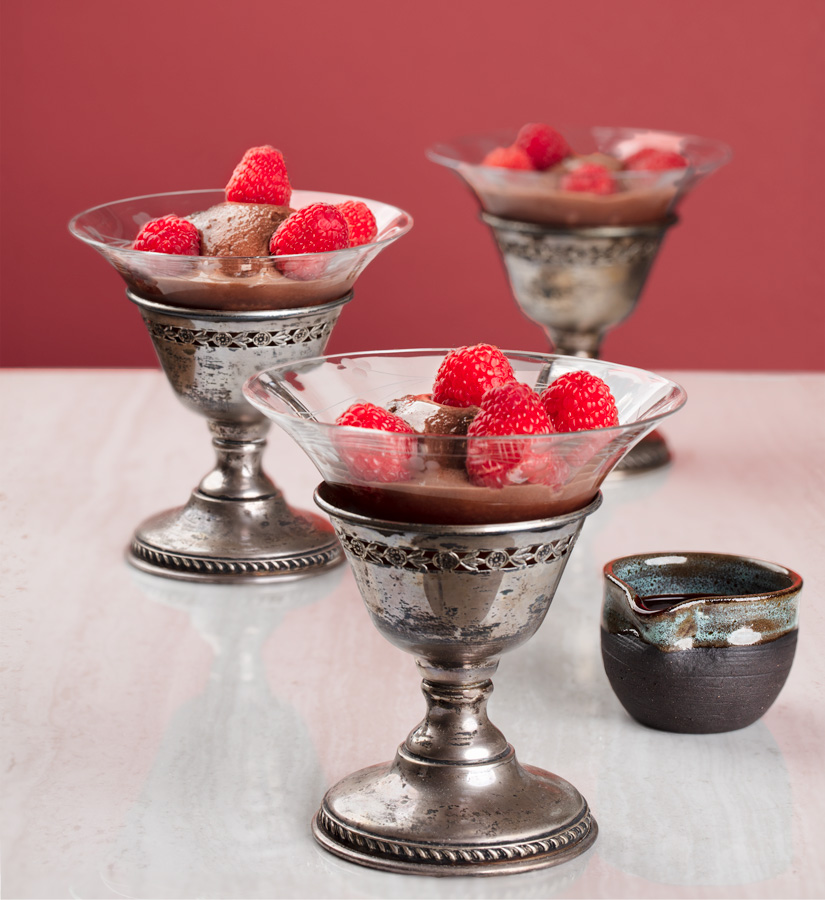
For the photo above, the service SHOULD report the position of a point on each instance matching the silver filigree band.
(620, 251)
(203, 338)
(475, 560)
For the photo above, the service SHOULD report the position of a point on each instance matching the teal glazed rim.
(732, 601)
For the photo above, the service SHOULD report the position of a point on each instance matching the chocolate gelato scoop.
(238, 229)
(427, 417)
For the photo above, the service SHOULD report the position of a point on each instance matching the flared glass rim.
(373, 435)
(104, 248)
(446, 153)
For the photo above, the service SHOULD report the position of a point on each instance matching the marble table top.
(164, 739)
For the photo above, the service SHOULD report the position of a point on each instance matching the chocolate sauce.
(662, 602)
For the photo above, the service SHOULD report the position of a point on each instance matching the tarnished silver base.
(455, 801)
(236, 527)
(577, 283)
(649, 455)
(232, 541)
(421, 817)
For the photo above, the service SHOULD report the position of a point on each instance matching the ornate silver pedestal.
(577, 284)
(236, 527)
(455, 800)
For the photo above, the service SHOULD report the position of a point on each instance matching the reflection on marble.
(343, 879)
(696, 834)
(236, 778)
(225, 810)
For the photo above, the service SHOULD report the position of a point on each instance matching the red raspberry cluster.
(482, 376)
(261, 177)
(539, 147)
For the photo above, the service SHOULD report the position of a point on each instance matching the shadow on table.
(344, 879)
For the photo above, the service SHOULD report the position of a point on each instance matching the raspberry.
(577, 401)
(373, 458)
(512, 409)
(260, 177)
(169, 234)
(316, 228)
(652, 160)
(466, 373)
(589, 178)
(361, 222)
(543, 145)
(508, 158)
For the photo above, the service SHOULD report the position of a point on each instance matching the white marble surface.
(165, 740)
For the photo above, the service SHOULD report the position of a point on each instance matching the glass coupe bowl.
(424, 477)
(533, 196)
(226, 282)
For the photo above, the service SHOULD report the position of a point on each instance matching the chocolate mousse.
(238, 229)
(446, 497)
(640, 198)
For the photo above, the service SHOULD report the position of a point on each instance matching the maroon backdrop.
(107, 100)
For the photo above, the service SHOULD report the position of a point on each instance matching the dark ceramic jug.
(698, 642)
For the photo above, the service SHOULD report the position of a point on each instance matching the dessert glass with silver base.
(577, 263)
(214, 322)
(456, 574)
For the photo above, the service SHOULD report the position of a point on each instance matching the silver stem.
(456, 728)
(238, 474)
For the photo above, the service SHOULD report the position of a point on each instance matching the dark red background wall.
(105, 100)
